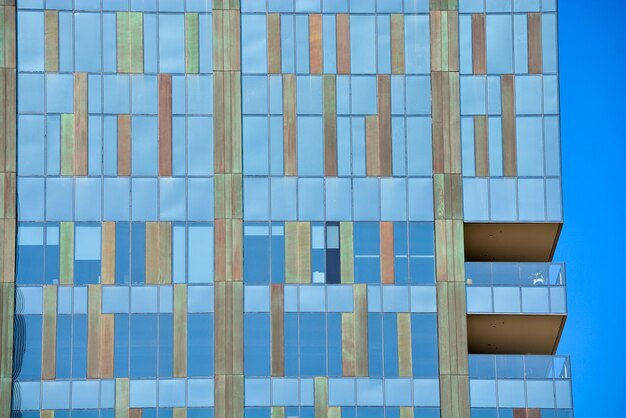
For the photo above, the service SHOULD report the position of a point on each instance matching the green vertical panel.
(123, 42)
(67, 144)
(67, 252)
(304, 252)
(121, 398)
(49, 333)
(2, 37)
(405, 356)
(191, 43)
(321, 397)
(291, 252)
(346, 245)
(136, 42)
(278, 412)
(180, 330)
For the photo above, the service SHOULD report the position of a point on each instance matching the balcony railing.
(533, 288)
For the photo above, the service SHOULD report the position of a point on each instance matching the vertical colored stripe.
(122, 397)
(165, 252)
(180, 330)
(343, 43)
(278, 412)
(535, 63)
(315, 44)
(360, 330)
(346, 256)
(372, 146)
(107, 348)
(405, 352)
(49, 339)
(291, 252)
(481, 146)
(406, 412)
(387, 253)
(330, 125)
(179, 412)
(94, 311)
(273, 44)
(52, 40)
(384, 125)
(304, 252)
(397, 44)
(290, 145)
(67, 144)
(348, 355)
(152, 252)
(108, 253)
(67, 253)
(479, 44)
(321, 397)
(509, 140)
(191, 43)
(123, 42)
(136, 42)
(165, 125)
(80, 124)
(278, 330)
(134, 413)
(123, 145)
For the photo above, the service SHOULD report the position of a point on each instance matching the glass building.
(280, 209)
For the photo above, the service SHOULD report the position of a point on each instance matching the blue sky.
(593, 107)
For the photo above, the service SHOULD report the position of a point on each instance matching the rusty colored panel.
(397, 43)
(108, 253)
(290, 142)
(384, 125)
(405, 352)
(51, 18)
(7, 118)
(165, 125)
(67, 144)
(452, 19)
(134, 413)
(152, 253)
(481, 145)
(123, 145)
(122, 397)
(165, 252)
(219, 250)
(321, 397)
(49, 339)
(7, 299)
(343, 43)
(66, 261)
(360, 330)
(436, 42)
(180, 330)
(372, 146)
(315, 44)
(221, 327)
(479, 44)
(93, 331)
(438, 101)
(235, 109)
(535, 63)
(346, 251)
(277, 319)
(330, 125)
(107, 349)
(218, 40)
(348, 345)
(274, 63)
(386, 253)
(509, 136)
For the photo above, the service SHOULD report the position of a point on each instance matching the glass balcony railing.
(513, 386)
(533, 288)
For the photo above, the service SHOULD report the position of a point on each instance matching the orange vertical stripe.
(273, 44)
(386, 253)
(384, 125)
(535, 62)
(509, 140)
(165, 125)
(479, 56)
(80, 124)
(290, 146)
(315, 43)
(343, 43)
(278, 330)
(372, 151)
(123, 145)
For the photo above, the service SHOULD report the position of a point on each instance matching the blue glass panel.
(121, 345)
(200, 254)
(310, 146)
(63, 346)
(122, 252)
(338, 199)
(144, 94)
(30, 49)
(383, 27)
(52, 271)
(291, 344)
(375, 344)
(312, 344)
(110, 146)
(143, 345)
(254, 44)
(138, 250)
(59, 93)
(200, 345)
(278, 252)
(116, 199)
(88, 199)
(30, 194)
(79, 346)
(255, 145)
(66, 41)
(199, 89)
(302, 44)
(287, 42)
(94, 147)
(309, 95)
(205, 30)
(334, 345)
(200, 146)
(362, 38)
(424, 345)
(417, 44)
(87, 46)
(171, 43)
(172, 199)
(311, 199)
(256, 267)
(254, 100)
(144, 133)
(200, 199)
(30, 93)
(391, 344)
(256, 344)
(109, 41)
(363, 95)
(283, 203)
(116, 93)
(30, 141)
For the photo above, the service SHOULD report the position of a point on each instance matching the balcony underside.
(514, 334)
(511, 241)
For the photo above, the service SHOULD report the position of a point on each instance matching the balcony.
(515, 308)
(520, 386)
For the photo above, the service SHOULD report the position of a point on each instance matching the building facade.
(280, 208)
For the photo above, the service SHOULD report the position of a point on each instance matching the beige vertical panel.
(405, 353)
(122, 396)
(406, 412)
(179, 412)
(67, 144)
(330, 125)
(290, 142)
(292, 252)
(481, 145)
(165, 252)
(360, 330)
(94, 310)
(274, 63)
(304, 252)
(343, 43)
(397, 43)
(509, 136)
(107, 348)
(479, 44)
(384, 125)
(348, 345)
(152, 253)
(387, 269)
(66, 252)
(315, 44)
(123, 145)
(535, 63)
(49, 339)
(321, 397)
(278, 412)
(165, 125)
(80, 124)
(277, 319)
(346, 252)
(180, 330)
(108, 253)
(191, 43)
(51, 18)
(372, 147)
(46, 414)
